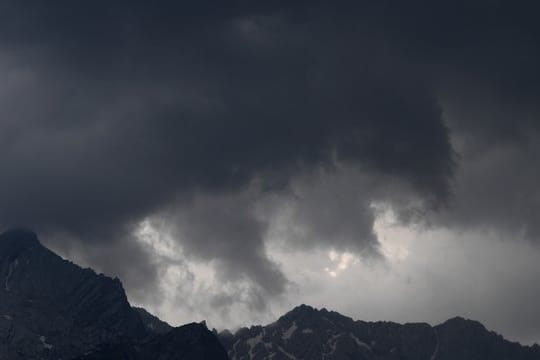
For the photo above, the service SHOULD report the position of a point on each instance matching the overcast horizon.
(231, 160)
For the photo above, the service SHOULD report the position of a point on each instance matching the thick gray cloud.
(496, 186)
(120, 116)
(225, 229)
(226, 124)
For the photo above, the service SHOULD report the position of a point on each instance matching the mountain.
(310, 334)
(153, 323)
(466, 339)
(188, 342)
(51, 308)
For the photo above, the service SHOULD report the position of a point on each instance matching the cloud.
(120, 118)
(443, 274)
(224, 229)
(226, 126)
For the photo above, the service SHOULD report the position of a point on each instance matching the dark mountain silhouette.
(153, 323)
(308, 333)
(188, 342)
(51, 308)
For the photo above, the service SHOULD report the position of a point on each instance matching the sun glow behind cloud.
(416, 261)
(340, 262)
(395, 241)
(186, 285)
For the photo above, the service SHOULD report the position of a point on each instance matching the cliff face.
(51, 308)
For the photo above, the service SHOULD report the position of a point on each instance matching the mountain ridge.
(51, 308)
(309, 333)
(188, 342)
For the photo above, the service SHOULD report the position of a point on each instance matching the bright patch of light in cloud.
(394, 239)
(426, 275)
(340, 262)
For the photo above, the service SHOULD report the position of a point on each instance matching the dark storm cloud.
(114, 112)
(488, 84)
(496, 187)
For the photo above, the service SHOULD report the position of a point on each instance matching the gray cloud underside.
(198, 116)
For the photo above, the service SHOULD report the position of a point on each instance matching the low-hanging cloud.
(118, 120)
(211, 121)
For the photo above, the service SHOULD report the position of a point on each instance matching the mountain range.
(308, 333)
(51, 309)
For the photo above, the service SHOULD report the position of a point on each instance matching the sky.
(229, 160)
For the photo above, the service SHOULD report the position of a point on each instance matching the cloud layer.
(228, 125)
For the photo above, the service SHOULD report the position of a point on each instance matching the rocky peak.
(52, 307)
(303, 309)
(308, 333)
(16, 241)
(463, 323)
(461, 338)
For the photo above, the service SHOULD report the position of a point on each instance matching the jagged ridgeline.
(51, 309)
(308, 333)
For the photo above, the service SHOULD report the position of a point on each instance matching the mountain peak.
(300, 312)
(302, 309)
(20, 235)
(44, 295)
(309, 333)
(463, 323)
(15, 242)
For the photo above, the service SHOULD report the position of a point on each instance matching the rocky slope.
(307, 333)
(153, 323)
(53, 309)
(188, 342)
